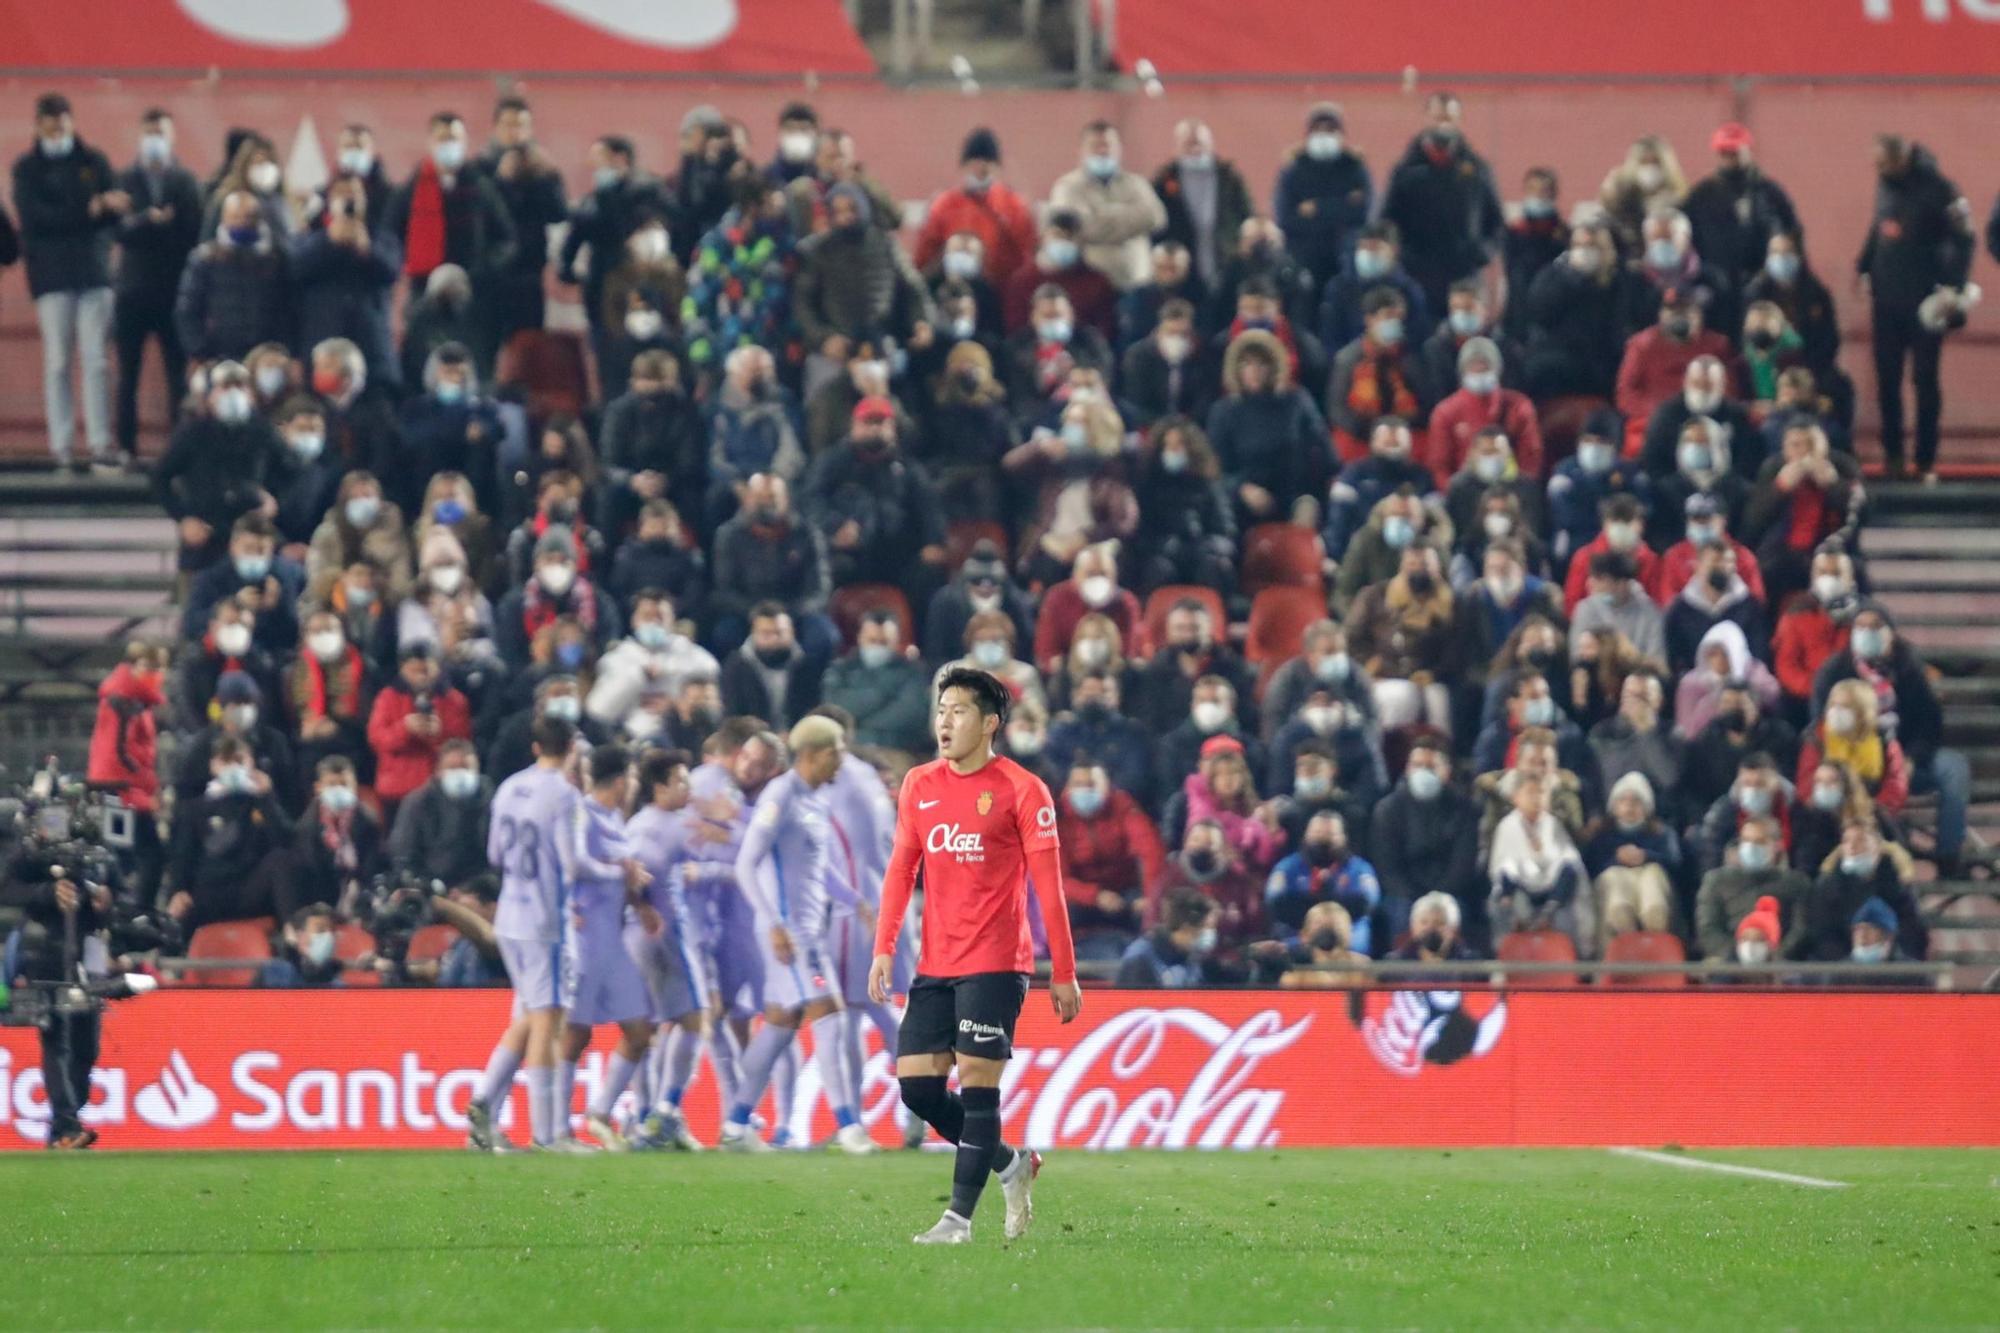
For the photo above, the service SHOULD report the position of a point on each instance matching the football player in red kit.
(978, 826)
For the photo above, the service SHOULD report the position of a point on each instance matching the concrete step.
(1931, 543)
(1913, 575)
(1948, 609)
(1891, 501)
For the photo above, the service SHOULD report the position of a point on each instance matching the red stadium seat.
(1278, 620)
(550, 367)
(1645, 946)
(1161, 600)
(966, 533)
(849, 604)
(249, 941)
(349, 943)
(1539, 946)
(1280, 555)
(431, 943)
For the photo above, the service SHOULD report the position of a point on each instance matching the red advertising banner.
(1221, 1069)
(379, 36)
(1722, 38)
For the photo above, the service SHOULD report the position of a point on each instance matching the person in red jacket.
(1815, 626)
(1623, 532)
(1091, 586)
(124, 750)
(1110, 852)
(1707, 525)
(1060, 261)
(412, 718)
(984, 205)
(1481, 402)
(1656, 361)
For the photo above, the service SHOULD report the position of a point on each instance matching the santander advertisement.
(393, 1069)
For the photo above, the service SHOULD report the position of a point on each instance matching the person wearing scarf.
(1537, 873)
(338, 841)
(1815, 625)
(1375, 376)
(1401, 633)
(1849, 733)
(328, 690)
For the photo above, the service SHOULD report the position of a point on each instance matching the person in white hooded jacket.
(1723, 656)
(1538, 878)
(654, 653)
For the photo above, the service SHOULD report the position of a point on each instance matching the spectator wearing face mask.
(1167, 373)
(1578, 315)
(1738, 726)
(1533, 756)
(1091, 587)
(1723, 665)
(1634, 861)
(253, 574)
(1325, 869)
(1785, 279)
(830, 408)
(885, 688)
(236, 290)
(305, 480)
(1309, 778)
(1400, 522)
(1093, 727)
(981, 587)
(236, 714)
(1536, 238)
(1424, 838)
(1321, 957)
(1375, 263)
(1703, 397)
(1260, 267)
(555, 694)
(1042, 358)
(155, 236)
(1361, 485)
(877, 508)
(1654, 368)
(361, 429)
(984, 205)
(1872, 939)
(1849, 732)
(218, 468)
(304, 960)
(440, 831)
(1441, 194)
(1488, 611)
(1268, 436)
(1834, 799)
(1479, 404)
(1758, 934)
(1538, 878)
(1378, 374)
(1210, 717)
(1179, 953)
(230, 851)
(1187, 526)
(362, 528)
(1116, 209)
(1094, 647)
(1171, 278)
(249, 165)
(1649, 178)
(337, 842)
(1580, 485)
(1620, 533)
(413, 716)
(1323, 663)
(449, 427)
(1866, 883)
(989, 643)
(344, 267)
(531, 188)
(1736, 209)
(450, 211)
(1707, 526)
(203, 658)
(621, 195)
(555, 589)
(770, 675)
(1807, 498)
(1532, 707)
(1813, 628)
(70, 205)
(1324, 194)
(1490, 481)
(966, 434)
(855, 283)
(1760, 792)
(645, 324)
(1715, 593)
(1205, 198)
(654, 650)
(1193, 652)
(1668, 261)
(1401, 633)
(1111, 852)
(1466, 318)
(328, 691)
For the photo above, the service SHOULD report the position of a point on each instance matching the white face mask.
(556, 578)
(1093, 652)
(961, 264)
(233, 640)
(1209, 717)
(326, 644)
(1024, 740)
(649, 246)
(1175, 347)
(447, 579)
(1840, 719)
(797, 146)
(1323, 145)
(643, 324)
(1701, 401)
(1497, 525)
(1650, 176)
(1098, 590)
(308, 445)
(1752, 952)
(1829, 587)
(356, 161)
(339, 800)
(1621, 536)
(264, 177)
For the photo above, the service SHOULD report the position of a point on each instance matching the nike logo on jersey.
(925, 805)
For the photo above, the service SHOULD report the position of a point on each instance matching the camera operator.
(305, 958)
(60, 915)
(337, 845)
(231, 845)
(124, 755)
(440, 831)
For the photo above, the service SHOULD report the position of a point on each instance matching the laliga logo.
(1216, 1108)
(179, 1100)
(300, 24)
(946, 838)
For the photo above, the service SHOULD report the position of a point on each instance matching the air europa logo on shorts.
(947, 838)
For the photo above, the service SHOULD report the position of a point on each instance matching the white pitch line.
(1726, 1168)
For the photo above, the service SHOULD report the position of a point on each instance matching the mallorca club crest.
(1408, 1029)
(985, 803)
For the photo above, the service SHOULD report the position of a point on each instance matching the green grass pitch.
(1433, 1239)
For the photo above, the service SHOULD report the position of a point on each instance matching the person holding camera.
(60, 914)
(229, 856)
(413, 717)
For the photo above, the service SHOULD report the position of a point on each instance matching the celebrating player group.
(719, 907)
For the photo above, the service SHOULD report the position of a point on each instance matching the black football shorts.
(973, 1015)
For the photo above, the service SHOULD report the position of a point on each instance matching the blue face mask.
(1398, 532)
(1753, 855)
(1782, 268)
(252, 568)
(651, 635)
(1594, 457)
(1695, 458)
(244, 237)
(1424, 784)
(448, 392)
(1389, 332)
(569, 655)
(606, 177)
(1086, 801)
(1370, 264)
(449, 512)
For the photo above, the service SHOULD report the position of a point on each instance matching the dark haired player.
(977, 825)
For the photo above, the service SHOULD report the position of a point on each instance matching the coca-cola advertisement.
(1162, 1069)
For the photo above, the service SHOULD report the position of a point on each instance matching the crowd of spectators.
(1375, 574)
